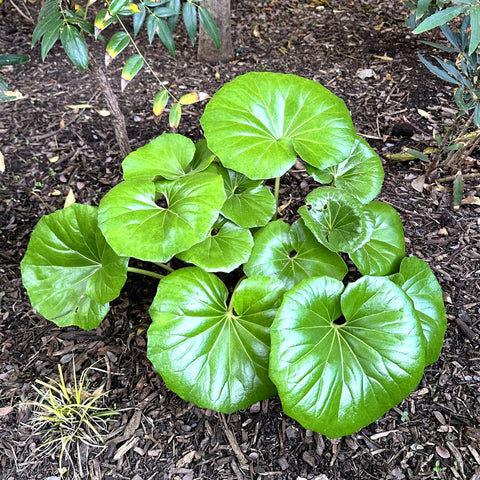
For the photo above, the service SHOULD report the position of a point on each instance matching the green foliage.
(339, 355)
(6, 95)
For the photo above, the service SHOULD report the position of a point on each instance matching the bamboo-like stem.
(276, 194)
(144, 272)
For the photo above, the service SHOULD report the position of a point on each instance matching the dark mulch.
(434, 433)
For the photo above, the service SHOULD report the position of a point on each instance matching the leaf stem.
(145, 60)
(165, 266)
(275, 194)
(144, 272)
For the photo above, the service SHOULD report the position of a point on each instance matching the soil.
(360, 50)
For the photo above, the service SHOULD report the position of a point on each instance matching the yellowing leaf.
(160, 102)
(2, 163)
(15, 95)
(193, 97)
(79, 106)
(54, 159)
(175, 114)
(424, 114)
(383, 57)
(103, 112)
(54, 193)
(70, 199)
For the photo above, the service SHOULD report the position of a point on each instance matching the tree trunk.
(113, 106)
(207, 52)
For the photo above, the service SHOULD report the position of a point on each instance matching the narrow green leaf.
(132, 66)
(440, 18)
(174, 116)
(138, 19)
(13, 59)
(476, 115)
(475, 26)
(422, 7)
(210, 26)
(437, 71)
(102, 20)
(118, 43)
(49, 12)
(458, 189)
(75, 46)
(190, 20)
(116, 6)
(175, 6)
(165, 36)
(50, 37)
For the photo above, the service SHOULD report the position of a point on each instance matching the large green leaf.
(337, 219)
(134, 225)
(420, 284)
(249, 203)
(340, 359)
(226, 247)
(292, 254)
(382, 254)
(258, 123)
(210, 353)
(360, 174)
(69, 270)
(167, 156)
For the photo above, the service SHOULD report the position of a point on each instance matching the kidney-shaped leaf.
(360, 174)
(292, 254)
(258, 123)
(224, 249)
(249, 204)
(69, 270)
(211, 354)
(166, 156)
(340, 359)
(337, 219)
(382, 254)
(131, 220)
(420, 284)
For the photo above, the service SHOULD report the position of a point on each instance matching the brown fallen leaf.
(418, 183)
(470, 201)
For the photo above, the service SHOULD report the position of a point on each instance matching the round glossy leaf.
(258, 123)
(382, 254)
(337, 219)
(360, 174)
(249, 204)
(132, 222)
(292, 254)
(224, 249)
(340, 359)
(419, 283)
(211, 354)
(69, 270)
(167, 156)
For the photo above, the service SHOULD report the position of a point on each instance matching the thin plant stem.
(145, 60)
(276, 194)
(165, 267)
(144, 272)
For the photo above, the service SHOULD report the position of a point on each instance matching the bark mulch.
(361, 51)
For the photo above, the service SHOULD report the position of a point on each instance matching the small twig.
(451, 178)
(26, 17)
(233, 443)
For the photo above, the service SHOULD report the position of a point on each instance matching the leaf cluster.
(71, 22)
(339, 353)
